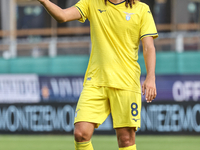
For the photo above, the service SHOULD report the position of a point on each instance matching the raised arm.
(59, 14)
(149, 85)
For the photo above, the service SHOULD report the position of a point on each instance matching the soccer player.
(112, 79)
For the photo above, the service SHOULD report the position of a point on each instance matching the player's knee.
(81, 136)
(124, 141)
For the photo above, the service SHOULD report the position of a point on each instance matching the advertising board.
(32, 88)
(19, 88)
(170, 118)
(60, 88)
(177, 88)
(57, 118)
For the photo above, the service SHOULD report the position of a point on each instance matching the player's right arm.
(59, 14)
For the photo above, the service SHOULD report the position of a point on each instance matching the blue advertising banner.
(58, 118)
(177, 88)
(31, 88)
(45, 118)
(60, 88)
(170, 118)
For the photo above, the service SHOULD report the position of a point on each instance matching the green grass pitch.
(66, 142)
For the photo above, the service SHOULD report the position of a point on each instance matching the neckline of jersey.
(117, 3)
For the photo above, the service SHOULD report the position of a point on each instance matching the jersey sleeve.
(148, 27)
(83, 8)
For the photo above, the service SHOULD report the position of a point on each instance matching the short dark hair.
(128, 3)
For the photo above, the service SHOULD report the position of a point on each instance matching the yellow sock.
(133, 147)
(83, 145)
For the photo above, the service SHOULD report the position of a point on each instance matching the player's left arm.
(149, 53)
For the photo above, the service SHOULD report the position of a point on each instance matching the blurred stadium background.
(42, 65)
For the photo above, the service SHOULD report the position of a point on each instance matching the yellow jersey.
(116, 32)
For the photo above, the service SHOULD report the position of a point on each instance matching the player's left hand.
(149, 89)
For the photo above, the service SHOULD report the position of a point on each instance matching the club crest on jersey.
(128, 15)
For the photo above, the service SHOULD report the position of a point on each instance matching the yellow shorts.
(96, 103)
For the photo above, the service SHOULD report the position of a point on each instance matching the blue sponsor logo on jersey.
(135, 119)
(89, 78)
(101, 11)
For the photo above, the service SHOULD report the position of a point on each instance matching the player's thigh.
(93, 106)
(125, 108)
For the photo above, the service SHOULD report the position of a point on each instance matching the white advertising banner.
(19, 88)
